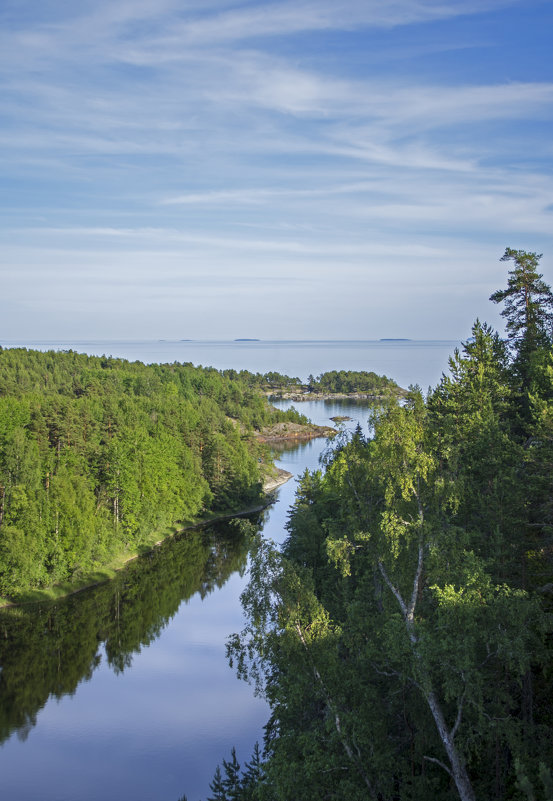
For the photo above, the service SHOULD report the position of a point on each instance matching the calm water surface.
(124, 692)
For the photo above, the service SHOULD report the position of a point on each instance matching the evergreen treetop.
(528, 299)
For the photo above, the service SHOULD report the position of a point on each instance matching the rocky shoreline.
(291, 432)
(298, 397)
(272, 483)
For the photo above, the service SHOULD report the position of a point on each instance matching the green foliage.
(231, 784)
(95, 453)
(528, 300)
(270, 380)
(217, 787)
(402, 636)
(528, 310)
(339, 381)
(351, 381)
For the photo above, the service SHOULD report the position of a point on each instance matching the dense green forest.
(263, 381)
(96, 453)
(352, 381)
(403, 637)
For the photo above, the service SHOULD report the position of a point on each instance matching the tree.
(470, 418)
(232, 782)
(528, 310)
(397, 675)
(217, 787)
(254, 777)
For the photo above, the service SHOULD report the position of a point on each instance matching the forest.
(98, 453)
(403, 636)
(352, 381)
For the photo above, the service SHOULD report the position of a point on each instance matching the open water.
(124, 691)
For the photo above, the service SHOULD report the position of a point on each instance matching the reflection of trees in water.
(46, 650)
(290, 446)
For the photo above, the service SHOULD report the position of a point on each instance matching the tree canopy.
(402, 635)
(528, 299)
(98, 453)
(528, 311)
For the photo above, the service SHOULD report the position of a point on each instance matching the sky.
(295, 169)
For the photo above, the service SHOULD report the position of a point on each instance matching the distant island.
(395, 339)
(247, 339)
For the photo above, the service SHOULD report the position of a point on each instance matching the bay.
(124, 691)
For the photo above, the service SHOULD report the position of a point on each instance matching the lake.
(124, 691)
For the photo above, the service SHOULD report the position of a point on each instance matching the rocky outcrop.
(275, 481)
(286, 431)
(297, 397)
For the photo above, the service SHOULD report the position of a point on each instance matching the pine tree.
(254, 775)
(217, 787)
(529, 313)
(232, 783)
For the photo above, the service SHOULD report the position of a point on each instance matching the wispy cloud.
(297, 16)
(276, 138)
(171, 28)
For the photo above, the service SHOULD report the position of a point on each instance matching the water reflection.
(321, 412)
(47, 650)
(101, 730)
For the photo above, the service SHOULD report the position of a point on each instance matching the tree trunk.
(458, 771)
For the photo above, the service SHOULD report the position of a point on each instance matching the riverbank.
(94, 578)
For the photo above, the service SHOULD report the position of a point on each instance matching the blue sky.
(310, 169)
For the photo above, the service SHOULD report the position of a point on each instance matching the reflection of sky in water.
(155, 731)
(321, 412)
(159, 729)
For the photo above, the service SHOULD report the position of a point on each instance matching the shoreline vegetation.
(58, 592)
(331, 385)
(300, 396)
(99, 455)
